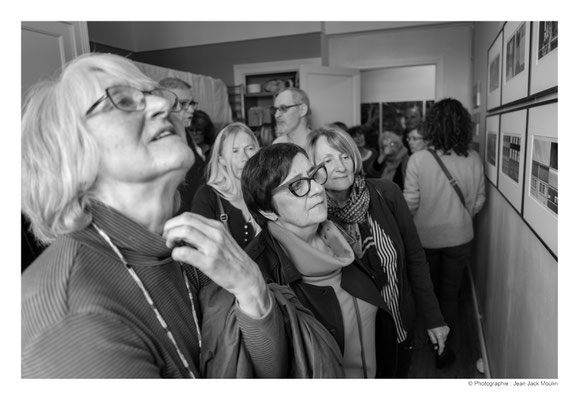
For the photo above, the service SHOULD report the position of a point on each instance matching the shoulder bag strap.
(223, 217)
(449, 176)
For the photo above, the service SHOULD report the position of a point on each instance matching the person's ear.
(222, 161)
(269, 215)
(303, 110)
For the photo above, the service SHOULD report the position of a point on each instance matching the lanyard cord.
(152, 303)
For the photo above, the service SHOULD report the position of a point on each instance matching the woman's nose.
(315, 188)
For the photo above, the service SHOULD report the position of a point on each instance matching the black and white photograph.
(544, 58)
(287, 199)
(492, 148)
(542, 182)
(548, 37)
(516, 51)
(511, 159)
(494, 76)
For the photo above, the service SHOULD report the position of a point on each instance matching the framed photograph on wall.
(492, 148)
(512, 156)
(494, 75)
(544, 56)
(516, 49)
(541, 196)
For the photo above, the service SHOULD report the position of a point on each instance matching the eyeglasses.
(283, 108)
(301, 186)
(187, 104)
(129, 99)
(414, 139)
(390, 144)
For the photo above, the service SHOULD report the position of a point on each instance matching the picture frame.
(516, 57)
(544, 56)
(494, 74)
(492, 148)
(511, 157)
(541, 195)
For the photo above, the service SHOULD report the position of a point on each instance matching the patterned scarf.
(356, 208)
(353, 223)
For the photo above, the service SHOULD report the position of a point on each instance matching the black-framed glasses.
(283, 108)
(129, 99)
(300, 187)
(414, 139)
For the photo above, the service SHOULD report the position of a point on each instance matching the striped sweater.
(84, 316)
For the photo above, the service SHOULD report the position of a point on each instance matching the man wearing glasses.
(184, 93)
(292, 116)
(187, 106)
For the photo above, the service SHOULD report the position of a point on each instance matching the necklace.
(152, 303)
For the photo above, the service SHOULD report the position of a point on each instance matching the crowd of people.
(177, 251)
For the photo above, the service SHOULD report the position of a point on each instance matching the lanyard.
(152, 303)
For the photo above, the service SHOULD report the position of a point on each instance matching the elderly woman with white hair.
(125, 289)
(221, 197)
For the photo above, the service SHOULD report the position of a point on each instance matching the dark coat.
(388, 208)
(322, 300)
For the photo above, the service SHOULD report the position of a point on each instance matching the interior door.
(47, 46)
(334, 94)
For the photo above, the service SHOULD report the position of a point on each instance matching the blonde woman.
(220, 198)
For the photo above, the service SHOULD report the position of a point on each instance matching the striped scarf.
(356, 208)
(352, 220)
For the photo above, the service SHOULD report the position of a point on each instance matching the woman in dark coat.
(374, 218)
(300, 248)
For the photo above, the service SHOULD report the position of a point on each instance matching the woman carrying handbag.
(445, 189)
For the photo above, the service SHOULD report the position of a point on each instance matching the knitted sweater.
(439, 216)
(83, 316)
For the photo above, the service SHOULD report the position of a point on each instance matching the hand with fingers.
(206, 244)
(438, 337)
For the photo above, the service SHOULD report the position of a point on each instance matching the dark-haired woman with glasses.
(298, 247)
(373, 217)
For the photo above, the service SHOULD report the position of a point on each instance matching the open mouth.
(164, 133)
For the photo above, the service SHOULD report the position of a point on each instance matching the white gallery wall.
(448, 46)
(398, 84)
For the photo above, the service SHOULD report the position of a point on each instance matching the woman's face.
(296, 213)
(340, 166)
(416, 141)
(197, 135)
(235, 156)
(391, 143)
(138, 147)
(359, 139)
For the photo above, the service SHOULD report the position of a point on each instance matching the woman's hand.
(438, 337)
(205, 243)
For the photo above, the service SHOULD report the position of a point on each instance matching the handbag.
(223, 217)
(453, 182)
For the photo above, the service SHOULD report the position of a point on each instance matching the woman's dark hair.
(448, 126)
(360, 130)
(262, 173)
(202, 121)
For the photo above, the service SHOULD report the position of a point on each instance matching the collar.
(138, 245)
